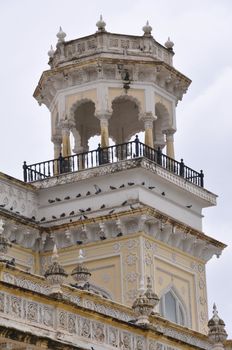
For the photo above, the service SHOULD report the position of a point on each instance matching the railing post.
(60, 170)
(182, 168)
(136, 146)
(99, 152)
(25, 171)
(201, 178)
(159, 156)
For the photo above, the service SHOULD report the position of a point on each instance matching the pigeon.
(51, 201)
(163, 193)
(119, 234)
(132, 207)
(2, 205)
(17, 212)
(102, 206)
(33, 217)
(58, 199)
(189, 206)
(67, 198)
(53, 217)
(81, 210)
(79, 242)
(143, 183)
(151, 187)
(124, 203)
(78, 195)
(62, 215)
(122, 186)
(97, 188)
(113, 188)
(88, 209)
(131, 183)
(88, 193)
(71, 213)
(111, 211)
(85, 217)
(11, 208)
(43, 219)
(102, 238)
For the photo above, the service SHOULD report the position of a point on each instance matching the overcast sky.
(201, 31)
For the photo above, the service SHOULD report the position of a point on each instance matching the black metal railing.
(111, 154)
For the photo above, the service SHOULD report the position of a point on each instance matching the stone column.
(66, 126)
(104, 117)
(170, 143)
(57, 141)
(148, 119)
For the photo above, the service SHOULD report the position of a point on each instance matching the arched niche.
(86, 124)
(124, 121)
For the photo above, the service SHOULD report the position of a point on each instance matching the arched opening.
(87, 125)
(124, 122)
(173, 309)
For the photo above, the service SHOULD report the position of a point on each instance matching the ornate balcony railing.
(111, 154)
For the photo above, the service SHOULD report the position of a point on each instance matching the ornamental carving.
(71, 324)
(16, 306)
(139, 343)
(126, 341)
(63, 320)
(113, 337)
(85, 328)
(131, 259)
(48, 317)
(98, 332)
(32, 312)
(1, 302)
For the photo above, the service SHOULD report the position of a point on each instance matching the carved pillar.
(148, 119)
(66, 126)
(104, 117)
(170, 143)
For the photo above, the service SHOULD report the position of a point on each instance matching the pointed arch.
(173, 308)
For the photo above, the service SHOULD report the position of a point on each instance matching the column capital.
(66, 124)
(148, 118)
(169, 132)
(103, 115)
(57, 139)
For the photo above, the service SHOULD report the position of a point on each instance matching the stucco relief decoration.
(16, 306)
(48, 317)
(71, 324)
(85, 328)
(132, 277)
(98, 332)
(139, 343)
(131, 259)
(113, 337)
(32, 312)
(62, 320)
(1, 302)
(126, 341)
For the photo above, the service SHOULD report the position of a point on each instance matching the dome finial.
(147, 29)
(169, 44)
(217, 333)
(101, 25)
(51, 52)
(61, 35)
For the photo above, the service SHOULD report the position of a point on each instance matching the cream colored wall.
(138, 94)
(118, 264)
(81, 95)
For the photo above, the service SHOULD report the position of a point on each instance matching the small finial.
(147, 29)
(51, 52)
(217, 333)
(169, 44)
(61, 35)
(101, 25)
(55, 255)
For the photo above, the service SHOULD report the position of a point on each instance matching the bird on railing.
(131, 207)
(66, 198)
(151, 187)
(98, 189)
(119, 234)
(79, 242)
(54, 217)
(143, 183)
(71, 213)
(113, 188)
(111, 211)
(163, 193)
(102, 206)
(33, 217)
(88, 209)
(88, 193)
(130, 183)
(58, 199)
(189, 206)
(78, 195)
(43, 219)
(122, 186)
(124, 203)
(2, 205)
(81, 210)
(62, 215)
(51, 201)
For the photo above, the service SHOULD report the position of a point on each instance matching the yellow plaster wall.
(166, 103)
(87, 94)
(138, 94)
